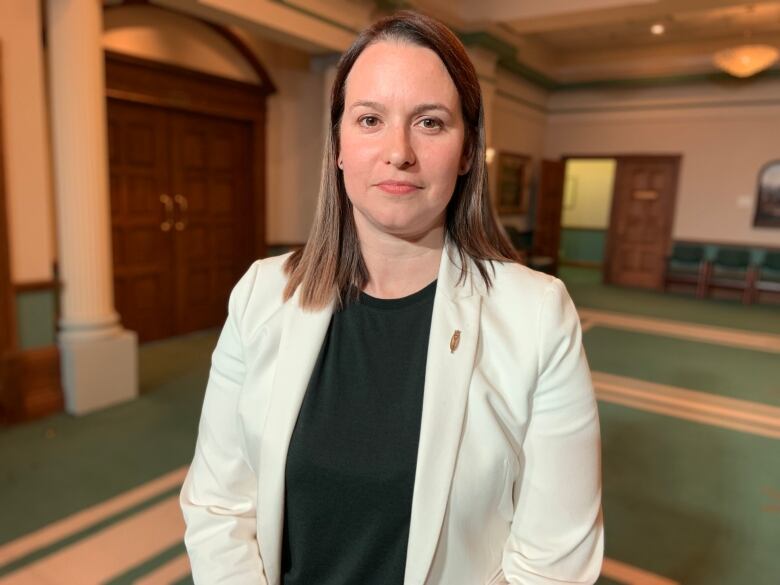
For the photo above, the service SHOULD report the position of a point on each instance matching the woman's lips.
(397, 188)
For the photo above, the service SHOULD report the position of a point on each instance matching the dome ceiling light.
(746, 60)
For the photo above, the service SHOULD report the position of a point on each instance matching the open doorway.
(587, 202)
(617, 215)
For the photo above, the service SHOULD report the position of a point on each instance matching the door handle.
(168, 204)
(181, 201)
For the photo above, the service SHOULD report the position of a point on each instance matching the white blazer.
(508, 482)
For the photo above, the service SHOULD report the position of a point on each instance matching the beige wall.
(294, 112)
(587, 193)
(519, 125)
(294, 141)
(724, 132)
(25, 143)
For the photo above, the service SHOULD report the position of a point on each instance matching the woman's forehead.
(391, 70)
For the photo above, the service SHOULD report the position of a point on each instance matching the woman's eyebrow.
(417, 110)
(432, 106)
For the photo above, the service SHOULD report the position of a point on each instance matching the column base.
(98, 371)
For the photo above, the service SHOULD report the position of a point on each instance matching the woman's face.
(402, 123)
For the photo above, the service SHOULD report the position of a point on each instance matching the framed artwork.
(768, 196)
(514, 175)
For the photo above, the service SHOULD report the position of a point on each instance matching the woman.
(400, 401)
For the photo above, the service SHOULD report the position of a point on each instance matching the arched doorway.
(187, 171)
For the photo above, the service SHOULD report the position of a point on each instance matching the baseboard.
(581, 263)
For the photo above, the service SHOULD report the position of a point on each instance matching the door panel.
(210, 175)
(549, 204)
(142, 244)
(181, 216)
(641, 223)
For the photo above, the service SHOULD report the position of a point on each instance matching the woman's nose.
(399, 151)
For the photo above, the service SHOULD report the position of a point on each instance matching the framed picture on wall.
(768, 196)
(514, 175)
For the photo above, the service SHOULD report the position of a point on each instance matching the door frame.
(8, 335)
(142, 81)
(609, 250)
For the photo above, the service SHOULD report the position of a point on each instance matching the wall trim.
(726, 244)
(580, 228)
(37, 285)
(582, 263)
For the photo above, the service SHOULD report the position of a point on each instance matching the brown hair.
(331, 263)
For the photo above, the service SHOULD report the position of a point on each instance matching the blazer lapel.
(449, 366)
(302, 336)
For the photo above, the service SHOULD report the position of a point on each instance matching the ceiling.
(577, 40)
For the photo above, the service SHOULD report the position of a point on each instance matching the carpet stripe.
(77, 522)
(701, 407)
(629, 575)
(171, 572)
(705, 333)
(109, 552)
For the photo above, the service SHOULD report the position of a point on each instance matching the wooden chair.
(730, 269)
(686, 265)
(765, 278)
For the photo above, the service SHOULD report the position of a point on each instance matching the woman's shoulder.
(513, 278)
(259, 291)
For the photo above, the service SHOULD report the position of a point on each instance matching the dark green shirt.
(351, 462)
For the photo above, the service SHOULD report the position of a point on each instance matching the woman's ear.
(465, 159)
(465, 164)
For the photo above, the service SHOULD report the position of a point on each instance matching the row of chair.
(730, 269)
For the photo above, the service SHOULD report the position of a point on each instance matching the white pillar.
(99, 358)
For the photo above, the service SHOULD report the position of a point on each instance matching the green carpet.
(585, 287)
(689, 501)
(727, 371)
(65, 464)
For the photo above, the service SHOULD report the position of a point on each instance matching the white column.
(99, 358)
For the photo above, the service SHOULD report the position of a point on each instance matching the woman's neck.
(398, 267)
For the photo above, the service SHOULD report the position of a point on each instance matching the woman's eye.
(368, 121)
(431, 123)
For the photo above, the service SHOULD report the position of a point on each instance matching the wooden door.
(181, 210)
(641, 221)
(142, 231)
(549, 204)
(210, 173)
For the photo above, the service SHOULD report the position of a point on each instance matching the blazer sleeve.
(557, 533)
(219, 492)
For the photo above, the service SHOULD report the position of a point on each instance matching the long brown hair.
(331, 264)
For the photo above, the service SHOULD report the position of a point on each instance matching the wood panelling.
(640, 226)
(187, 164)
(7, 312)
(549, 205)
(32, 387)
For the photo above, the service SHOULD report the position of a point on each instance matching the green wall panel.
(583, 245)
(35, 315)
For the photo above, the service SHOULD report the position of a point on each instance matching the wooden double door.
(181, 216)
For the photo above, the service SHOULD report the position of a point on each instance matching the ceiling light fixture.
(746, 60)
(658, 29)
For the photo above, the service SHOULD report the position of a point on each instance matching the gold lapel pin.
(454, 341)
